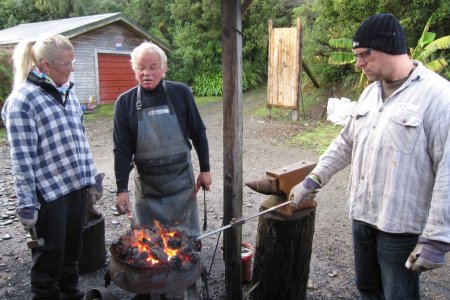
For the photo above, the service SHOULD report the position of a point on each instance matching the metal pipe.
(239, 221)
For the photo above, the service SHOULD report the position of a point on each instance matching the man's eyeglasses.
(66, 65)
(363, 55)
(151, 69)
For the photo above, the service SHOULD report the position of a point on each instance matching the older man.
(154, 123)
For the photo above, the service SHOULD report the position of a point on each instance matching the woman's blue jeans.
(380, 264)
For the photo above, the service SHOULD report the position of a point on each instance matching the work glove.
(427, 255)
(304, 190)
(95, 191)
(27, 216)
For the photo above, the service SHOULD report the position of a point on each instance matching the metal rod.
(247, 295)
(268, 210)
(241, 221)
(205, 220)
(214, 231)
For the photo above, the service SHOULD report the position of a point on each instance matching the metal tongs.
(205, 222)
(133, 223)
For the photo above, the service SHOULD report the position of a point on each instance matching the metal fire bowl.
(158, 279)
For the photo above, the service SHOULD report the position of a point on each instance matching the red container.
(247, 252)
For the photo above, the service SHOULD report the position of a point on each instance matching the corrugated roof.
(70, 27)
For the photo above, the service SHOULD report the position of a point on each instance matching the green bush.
(211, 84)
(208, 84)
(253, 75)
(6, 78)
(6, 75)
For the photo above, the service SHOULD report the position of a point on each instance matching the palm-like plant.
(345, 56)
(340, 57)
(427, 48)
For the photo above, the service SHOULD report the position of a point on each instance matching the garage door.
(115, 76)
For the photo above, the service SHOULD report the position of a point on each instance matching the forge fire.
(159, 245)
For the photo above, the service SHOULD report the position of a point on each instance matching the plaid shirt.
(49, 149)
(400, 155)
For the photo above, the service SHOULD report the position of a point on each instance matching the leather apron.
(164, 183)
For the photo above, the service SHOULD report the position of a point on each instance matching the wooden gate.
(283, 87)
(115, 76)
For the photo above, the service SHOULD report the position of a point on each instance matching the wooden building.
(102, 43)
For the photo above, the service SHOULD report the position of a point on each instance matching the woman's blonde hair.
(30, 53)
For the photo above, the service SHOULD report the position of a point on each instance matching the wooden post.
(283, 254)
(270, 80)
(232, 143)
(299, 62)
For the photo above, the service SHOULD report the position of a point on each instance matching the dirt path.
(265, 147)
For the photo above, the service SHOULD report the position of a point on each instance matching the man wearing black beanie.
(398, 145)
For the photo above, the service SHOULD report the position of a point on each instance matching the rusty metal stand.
(205, 293)
(205, 274)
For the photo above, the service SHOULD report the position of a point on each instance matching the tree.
(197, 54)
(196, 37)
(15, 12)
(154, 16)
(58, 9)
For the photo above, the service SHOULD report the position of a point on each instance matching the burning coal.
(159, 245)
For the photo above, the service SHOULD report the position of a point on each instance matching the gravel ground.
(265, 147)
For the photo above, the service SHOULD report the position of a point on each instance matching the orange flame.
(139, 235)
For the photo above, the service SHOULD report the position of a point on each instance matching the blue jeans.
(380, 264)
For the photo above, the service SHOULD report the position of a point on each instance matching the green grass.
(205, 100)
(104, 110)
(313, 97)
(318, 138)
(280, 114)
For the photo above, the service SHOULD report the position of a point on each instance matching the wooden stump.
(283, 254)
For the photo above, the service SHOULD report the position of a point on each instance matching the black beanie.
(381, 32)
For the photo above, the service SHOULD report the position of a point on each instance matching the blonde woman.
(51, 160)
